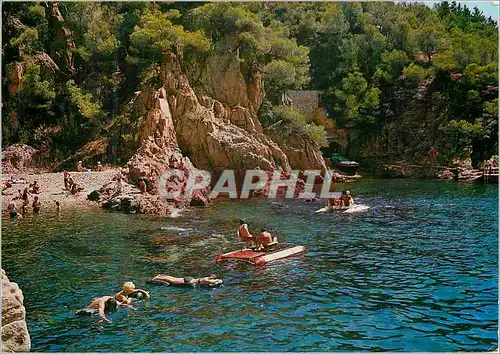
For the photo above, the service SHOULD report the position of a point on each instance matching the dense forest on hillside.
(400, 78)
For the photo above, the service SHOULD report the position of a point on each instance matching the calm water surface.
(418, 271)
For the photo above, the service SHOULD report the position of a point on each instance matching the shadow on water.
(415, 272)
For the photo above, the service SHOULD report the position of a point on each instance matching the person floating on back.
(129, 291)
(208, 282)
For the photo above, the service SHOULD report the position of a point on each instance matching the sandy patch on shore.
(52, 189)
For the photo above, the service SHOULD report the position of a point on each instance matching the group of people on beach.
(18, 211)
(12, 208)
(71, 186)
(80, 168)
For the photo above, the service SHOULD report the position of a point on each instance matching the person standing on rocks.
(119, 184)
(433, 153)
(142, 185)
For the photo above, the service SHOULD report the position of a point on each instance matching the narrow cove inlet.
(416, 272)
(308, 176)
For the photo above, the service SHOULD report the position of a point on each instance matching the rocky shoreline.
(52, 189)
(404, 170)
(15, 335)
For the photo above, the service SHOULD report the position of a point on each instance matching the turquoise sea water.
(418, 271)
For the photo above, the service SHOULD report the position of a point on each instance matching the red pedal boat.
(262, 257)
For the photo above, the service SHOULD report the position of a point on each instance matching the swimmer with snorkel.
(129, 291)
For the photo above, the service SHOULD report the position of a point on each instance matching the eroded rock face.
(213, 129)
(223, 133)
(303, 154)
(15, 73)
(156, 136)
(17, 158)
(157, 153)
(15, 336)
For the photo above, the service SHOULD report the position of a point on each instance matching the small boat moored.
(344, 164)
(261, 258)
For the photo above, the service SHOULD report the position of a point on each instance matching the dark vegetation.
(401, 78)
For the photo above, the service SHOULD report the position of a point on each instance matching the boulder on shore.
(17, 158)
(15, 336)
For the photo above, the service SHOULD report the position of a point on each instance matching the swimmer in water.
(210, 282)
(103, 305)
(24, 208)
(12, 208)
(129, 291)
(36, 206)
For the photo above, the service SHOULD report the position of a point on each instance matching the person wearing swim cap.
(245, 235)
(103, 304)
(210, 281)
(129, 291)
(347, 199)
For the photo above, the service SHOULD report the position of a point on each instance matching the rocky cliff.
(15, 336)
(17, 158)
(218, 126)
(213, 128)
(158, 151)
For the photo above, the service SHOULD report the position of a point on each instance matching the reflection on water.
(415, 272)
